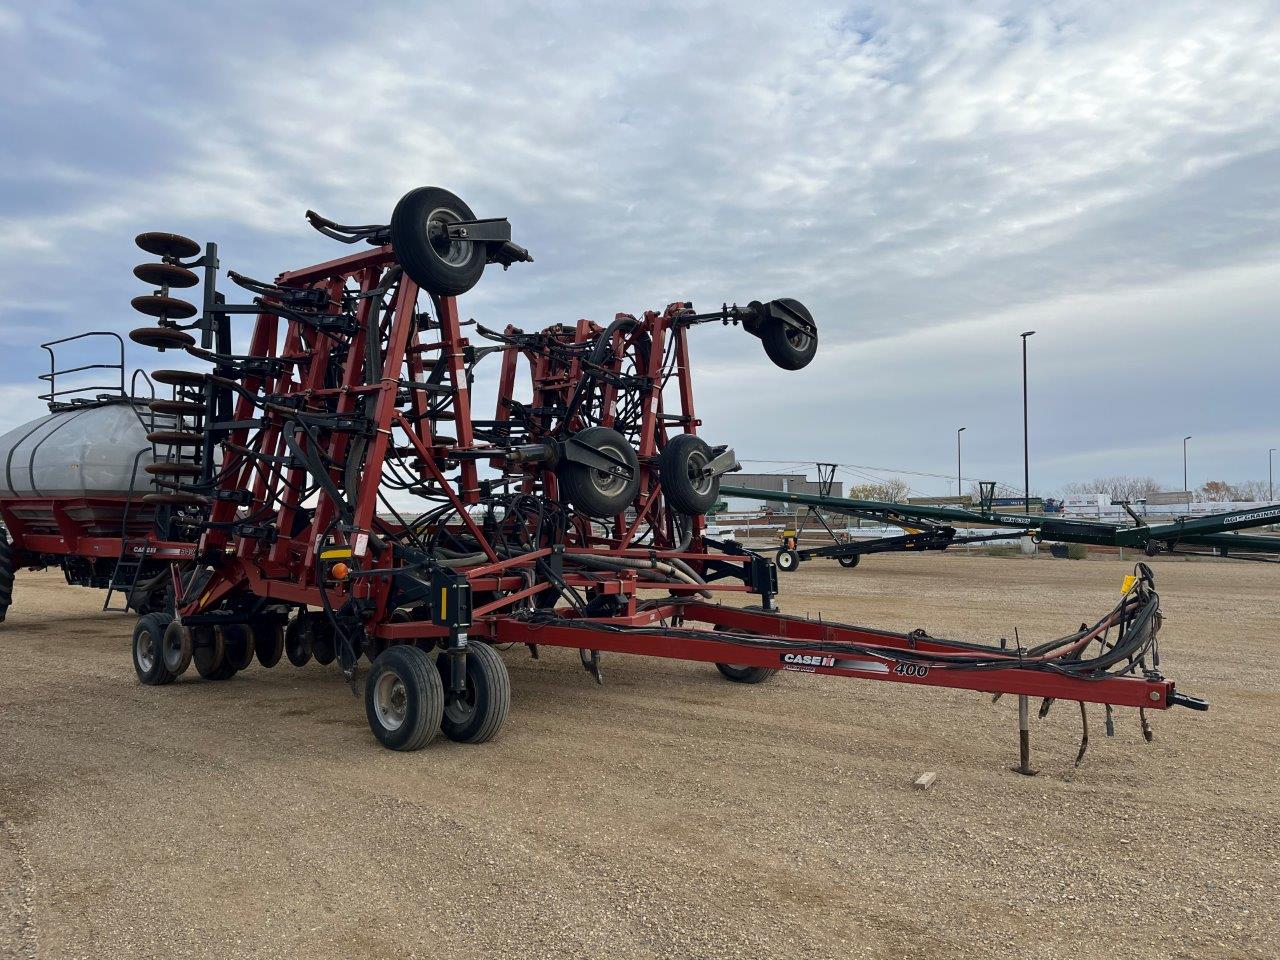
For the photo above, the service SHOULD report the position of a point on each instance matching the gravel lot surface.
(665, 814)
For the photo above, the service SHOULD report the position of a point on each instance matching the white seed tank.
(91, 450)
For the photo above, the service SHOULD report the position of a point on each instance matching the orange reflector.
(339, 571)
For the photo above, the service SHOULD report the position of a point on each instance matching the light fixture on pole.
(1026, 450)
(1185, 487)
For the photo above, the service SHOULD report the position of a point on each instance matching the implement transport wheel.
(238, 644)
(297, 641)
(741, 674)
(6, 574)
(268, 641)
(681, 475)
(176, 647)
(208, 654)
(435, 262)
(849, 562)
(600, 493)
(476, 716)
(787, 347)
(787, 560)
(404, 698)
(148, 662)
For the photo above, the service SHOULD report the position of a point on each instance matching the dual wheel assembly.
(409, 693)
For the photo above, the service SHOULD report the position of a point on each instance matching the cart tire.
(268, 641)
(478, 717)
(6, 574)
(297, 641)
(1151, 549)
(787, 348)
(593, 491)
(684, 456)
(148, 638)
(745, 674)
(437, 264)
(740, 674)
(787, 560)
(209, 654)
(404, 698)
(849, 562)
(175, 648)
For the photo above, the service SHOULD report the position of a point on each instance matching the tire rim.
(462, 709)
(456, 253)
(144, 649)
(797, 338)
(697, 463)
(390, 701)
(606, 482)
(784, 561)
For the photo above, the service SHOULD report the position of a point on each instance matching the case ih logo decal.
(806, 661)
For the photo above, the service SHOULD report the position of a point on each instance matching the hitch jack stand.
(1024, 738)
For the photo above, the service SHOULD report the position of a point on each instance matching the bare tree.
(1218, 491)
(1117, 488)
(890, 490)
(1252, 491)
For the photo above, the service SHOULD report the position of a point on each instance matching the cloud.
(908, 170)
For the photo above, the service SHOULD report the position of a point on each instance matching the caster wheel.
(476, 716)
(787, 560)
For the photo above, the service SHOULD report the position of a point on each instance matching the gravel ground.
(665, 814)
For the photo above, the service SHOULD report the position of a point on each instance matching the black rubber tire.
(323, 643)
(238, 642)
(404, 680)
(683, 455)
(6, 574)
(478, 718)
(788, 348)
(849, 562)
(209, 655)
(268, 641)
(788, 561)
(740, 674)
(148, 664)
(297, 641)
(590, 490)
(1151, 549)
(745, 674)
(445, 268)
(175, 648)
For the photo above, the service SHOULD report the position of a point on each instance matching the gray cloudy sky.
(930, 178)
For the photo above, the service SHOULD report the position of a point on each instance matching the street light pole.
(1271, 482)
(959, 487)
(1185, 487)
(1026, 450)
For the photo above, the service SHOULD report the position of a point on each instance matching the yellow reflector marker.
(1129, 581)
(444, 602)
(335, 553)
